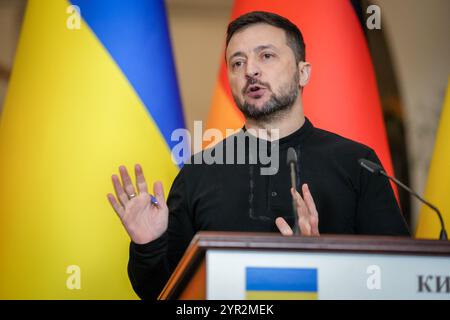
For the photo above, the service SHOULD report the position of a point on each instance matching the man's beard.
(275, 106)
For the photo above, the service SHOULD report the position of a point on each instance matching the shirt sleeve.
(378, 212)
(150, 265)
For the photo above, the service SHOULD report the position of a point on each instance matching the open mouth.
(255, 91)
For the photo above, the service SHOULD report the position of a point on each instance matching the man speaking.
(267, 71)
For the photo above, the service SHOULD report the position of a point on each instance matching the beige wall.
(198, 33)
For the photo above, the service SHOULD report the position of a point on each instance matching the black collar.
(295, 137)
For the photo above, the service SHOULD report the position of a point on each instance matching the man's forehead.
(256, 36)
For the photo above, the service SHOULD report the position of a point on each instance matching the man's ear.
(304, 69)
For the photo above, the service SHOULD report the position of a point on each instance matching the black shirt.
(237, 197)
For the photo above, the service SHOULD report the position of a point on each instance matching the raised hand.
(143, 219)
(308, 217)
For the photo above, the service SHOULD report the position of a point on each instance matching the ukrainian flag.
(93, 86)
(281, 283)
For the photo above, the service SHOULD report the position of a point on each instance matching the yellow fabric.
(70, 119)
(438, 185)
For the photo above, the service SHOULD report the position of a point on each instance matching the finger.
(140, 180)
(302, 212)
(304, 225)
(158, 191)
(314, 215)
(126, 180)
(309, 201)
(116, 206)
(302, 209)
(120, 193)
(314, 223)
(284, 227)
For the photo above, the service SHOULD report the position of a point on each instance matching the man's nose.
(253, 70)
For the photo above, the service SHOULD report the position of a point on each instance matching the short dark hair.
(293, 35)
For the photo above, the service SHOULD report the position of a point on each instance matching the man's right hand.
(143, 220)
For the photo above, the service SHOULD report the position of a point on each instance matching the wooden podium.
(230, 265)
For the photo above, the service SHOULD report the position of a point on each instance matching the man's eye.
(267, 55)
(237, 64)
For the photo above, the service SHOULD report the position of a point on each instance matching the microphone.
(376, 169)
(292, 163)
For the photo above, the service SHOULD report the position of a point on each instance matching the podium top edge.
(348, 243)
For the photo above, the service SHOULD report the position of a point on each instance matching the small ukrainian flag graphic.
(281, 283)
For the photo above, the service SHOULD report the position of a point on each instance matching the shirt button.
(274, 194)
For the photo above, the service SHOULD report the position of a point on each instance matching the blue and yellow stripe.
(281, 283)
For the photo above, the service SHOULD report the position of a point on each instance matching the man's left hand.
(308, 218)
